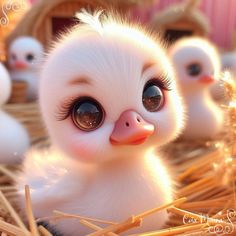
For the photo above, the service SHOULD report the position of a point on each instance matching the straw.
(29, 212)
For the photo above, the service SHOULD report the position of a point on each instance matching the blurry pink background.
(222, 16)
(221, 13)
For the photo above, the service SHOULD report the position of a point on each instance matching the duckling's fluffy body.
(197, 66)
(112, 191)
(14, 139)
(104, 173)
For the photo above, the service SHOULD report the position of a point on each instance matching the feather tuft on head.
(93, 20)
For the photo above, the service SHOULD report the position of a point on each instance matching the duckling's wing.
(52, 177)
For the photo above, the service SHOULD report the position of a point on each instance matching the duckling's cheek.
(82, 152)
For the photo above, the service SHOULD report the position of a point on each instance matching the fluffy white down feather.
(84, 173)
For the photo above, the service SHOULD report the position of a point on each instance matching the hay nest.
(204, 204)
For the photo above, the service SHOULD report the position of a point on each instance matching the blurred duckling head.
(196, 62)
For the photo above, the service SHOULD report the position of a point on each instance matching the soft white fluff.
(14, 140)
(204, 116)
(5, 85)
(84, 173)
(18, 51)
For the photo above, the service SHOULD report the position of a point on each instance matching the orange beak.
(206, 79)
(20, 65)
(131, 129)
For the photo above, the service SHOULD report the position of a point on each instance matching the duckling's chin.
(108, 154)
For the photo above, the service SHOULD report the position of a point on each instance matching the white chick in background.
(25, 58)
(108, 97)
(14, 140)
(197, 68)
(228, 61)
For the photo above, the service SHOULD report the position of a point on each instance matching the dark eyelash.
(164, 82)
(65, 109)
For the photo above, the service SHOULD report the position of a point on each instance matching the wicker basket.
(19, 92)
(204, 173)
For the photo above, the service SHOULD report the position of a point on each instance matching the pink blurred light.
(221, 14)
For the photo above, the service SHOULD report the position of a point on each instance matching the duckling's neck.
(197, 95)
(131, 166)
(146, 175)
(196, 91)
(123, 163)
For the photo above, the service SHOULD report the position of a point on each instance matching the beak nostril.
(131, 129)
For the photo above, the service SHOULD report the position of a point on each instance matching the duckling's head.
(25, 53)
(108, 91)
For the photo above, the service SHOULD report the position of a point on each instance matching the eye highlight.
(153, 97)
(194, 69)
(86, 113)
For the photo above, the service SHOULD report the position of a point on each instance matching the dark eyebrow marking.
(147, 66)
(79, 81)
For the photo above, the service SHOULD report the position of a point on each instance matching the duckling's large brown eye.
(194, 69)
(153, 97)
(13, 56)
(29, 57)
(87, 114)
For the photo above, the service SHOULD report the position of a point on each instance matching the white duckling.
(14, 140)
(228, 61)
(25, 57)
(197, 67)
(108, 98)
